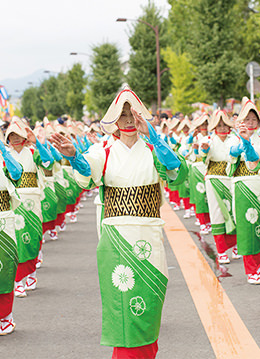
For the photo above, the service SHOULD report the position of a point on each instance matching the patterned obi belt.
(47, 173)
(217, 168)
(28, 179)
(242, 170)
(198, 159)
(4, 201)
(139, 201)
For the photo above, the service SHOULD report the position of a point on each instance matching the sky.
(41, 34)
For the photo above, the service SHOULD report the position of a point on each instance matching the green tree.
(142, 76)
(218, 63)
(107, 77)
(75, 95)
(181, 19)
(31, 104)
(185, 88)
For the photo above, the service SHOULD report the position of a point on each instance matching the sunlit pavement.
(62, 317)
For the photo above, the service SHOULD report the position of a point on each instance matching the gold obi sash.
(242, 170)
(28, 179)
(139, 201)
(198, 159)
(217, 168)
(47, 173)
(4, 201)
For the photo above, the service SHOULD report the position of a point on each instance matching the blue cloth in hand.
(163, 152)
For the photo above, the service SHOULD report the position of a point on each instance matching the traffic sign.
(256, 68)
(256, 86)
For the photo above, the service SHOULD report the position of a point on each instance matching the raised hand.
(140, 123)
(30, 135)
(63, 145)
(204, 146)
(243, 131)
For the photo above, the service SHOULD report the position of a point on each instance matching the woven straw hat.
(217, 116)
(108, 122)
(173, 123)
(48, 127)
(16, 126)
(199, 121)
(39, 132)
(59, 128)
(186, 122)
(94, 127)
(246, 106)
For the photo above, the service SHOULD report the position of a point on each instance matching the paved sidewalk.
(62, 317)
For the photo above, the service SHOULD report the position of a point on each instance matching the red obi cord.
(6, 304)
(145, 352)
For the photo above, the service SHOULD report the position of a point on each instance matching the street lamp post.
(158, 72)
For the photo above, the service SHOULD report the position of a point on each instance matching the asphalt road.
(62, 317)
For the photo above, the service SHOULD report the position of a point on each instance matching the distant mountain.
(16, 86)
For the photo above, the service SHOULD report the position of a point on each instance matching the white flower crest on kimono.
(227, 204)
(26, 238)
(200, 187)
(252, 215)
(19, 222)
(2, 224)
(29, 204)
(46, 206)
(123, 278)
(69, 192)
(257, 231)
(137, 305)
(1, 266)
(142, 249)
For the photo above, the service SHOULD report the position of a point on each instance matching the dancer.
(245, 153)
(218, 184)
(9, 201)
(131, 259)
(28, 216)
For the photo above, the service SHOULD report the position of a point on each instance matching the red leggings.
(6, 304)
(225, 241)
(60, 219)
(174, 197)
(145, 352)
(203, 218)
(252, 263)
(48, 226)
(25, 269)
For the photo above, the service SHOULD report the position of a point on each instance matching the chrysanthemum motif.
(123, 278)
(29, 204)
(46, 206)
(2, 224)
(227, 204)
(1, 266)
(200, 187)
(142, 249)
(26, 238)
(252, 215)
(69, 192)
(137, 306)
(19, 222)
